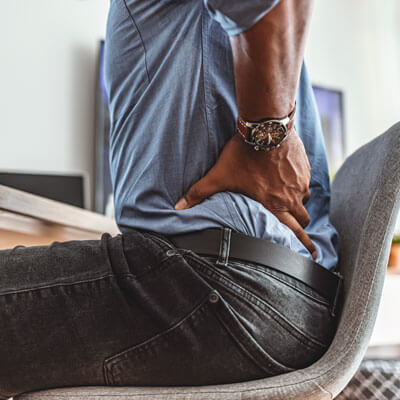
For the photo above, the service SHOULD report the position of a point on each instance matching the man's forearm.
(267, 60)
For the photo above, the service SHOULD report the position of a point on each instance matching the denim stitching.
(270, 310)
(161, 241)
(141, 39)
(266, 272)
(242, 337)
(255, 300)
(111, 362)
(109, 247)
(224, 247)
(57, 285)
(160, 267)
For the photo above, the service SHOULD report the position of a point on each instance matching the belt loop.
(224, 247)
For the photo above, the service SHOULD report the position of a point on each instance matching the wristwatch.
(267, 133)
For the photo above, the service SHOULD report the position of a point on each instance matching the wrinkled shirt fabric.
(170, 81)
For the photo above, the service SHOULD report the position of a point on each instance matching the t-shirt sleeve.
(237, 16)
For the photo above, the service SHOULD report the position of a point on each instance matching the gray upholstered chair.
(365, 201)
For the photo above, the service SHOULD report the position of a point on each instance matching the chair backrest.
(364, 207)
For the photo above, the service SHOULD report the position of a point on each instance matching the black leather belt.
(225, 244)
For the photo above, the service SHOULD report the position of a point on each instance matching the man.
(222, 194)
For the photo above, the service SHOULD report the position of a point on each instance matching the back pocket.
(291, 324)
(204, 348)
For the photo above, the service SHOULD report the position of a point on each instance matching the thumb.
(202, 189)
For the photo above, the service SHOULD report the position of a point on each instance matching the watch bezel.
(262, 133)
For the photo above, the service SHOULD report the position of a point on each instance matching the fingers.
(306, 197)
(202, 189)
(290, 221)
(301, 215)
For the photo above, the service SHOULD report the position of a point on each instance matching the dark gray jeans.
(134, 310)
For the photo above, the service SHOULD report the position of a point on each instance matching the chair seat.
(246, 390)
(294, 385)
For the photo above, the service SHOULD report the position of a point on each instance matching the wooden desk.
(31, 220)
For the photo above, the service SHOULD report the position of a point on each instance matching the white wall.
(354, 45)
(47, 81)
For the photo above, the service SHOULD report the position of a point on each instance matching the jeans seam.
(141, 38)
(325, 303)
(161, 241)
(58, 285)
(160, 267)
(240, 342)
(247, 295)
(270, 310)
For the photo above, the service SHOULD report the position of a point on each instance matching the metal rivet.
(213, 297)
(170, 253)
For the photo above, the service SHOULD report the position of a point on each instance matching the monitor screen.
(330, 107)
(65, 188)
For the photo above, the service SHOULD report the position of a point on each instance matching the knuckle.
(194, 193)
(260, 194)
(306, 221)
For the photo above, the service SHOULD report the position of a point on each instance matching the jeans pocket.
(200, 349)
(290, 324)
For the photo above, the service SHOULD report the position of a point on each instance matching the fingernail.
(314, 254)
(181, 204)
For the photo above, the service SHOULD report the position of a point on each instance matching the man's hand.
(278, 179)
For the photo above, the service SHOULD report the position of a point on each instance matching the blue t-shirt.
(170, 81)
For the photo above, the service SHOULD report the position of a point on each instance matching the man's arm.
(267, 61)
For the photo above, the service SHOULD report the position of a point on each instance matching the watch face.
(269, 134)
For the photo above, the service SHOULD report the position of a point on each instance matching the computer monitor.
(330, 107)
(67, 189)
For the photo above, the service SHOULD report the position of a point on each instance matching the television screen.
(330, 107)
